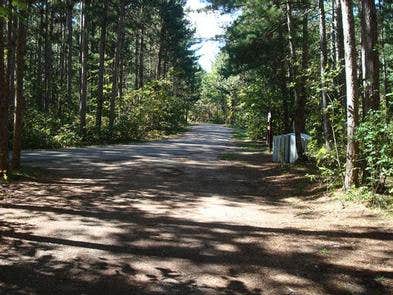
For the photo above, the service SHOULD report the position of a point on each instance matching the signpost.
(269, 137)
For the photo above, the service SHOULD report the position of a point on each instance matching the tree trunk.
(62, 66)
(333, 31)
(115, 75)
(83, 60)
(46, 57)
(101, 71)
(386, 89)
(282, 78)
(160, 51)
(19, 100)
(70, 7)
(339, 53)
(141, 58)
(370, 57)
(4, 101)
(12, 22)
(351, 173)
(136, 60)
(305, 60)
(323, 64)
(40, 67)
(298, 99)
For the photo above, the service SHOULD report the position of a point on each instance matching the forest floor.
(196, 214)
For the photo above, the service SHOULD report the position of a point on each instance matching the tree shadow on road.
(176, 222)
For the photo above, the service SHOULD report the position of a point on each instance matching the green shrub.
(375, 136)
(371, 199)
(153, 110)
(330, 167)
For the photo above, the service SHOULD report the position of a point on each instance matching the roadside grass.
(246, 146)
(160, 135)
(23, 174)
(382, 203)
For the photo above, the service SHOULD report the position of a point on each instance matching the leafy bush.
(330, 162)
(154, 107)
(205, 110)
(153, 110)
(39, 130)
(330, 167)
(375, 136)
(365, 196)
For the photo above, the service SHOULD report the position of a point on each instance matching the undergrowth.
(363, 195)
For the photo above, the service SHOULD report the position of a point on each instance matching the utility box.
(284, 147)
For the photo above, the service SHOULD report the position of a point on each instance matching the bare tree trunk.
(46, 65)
(386, 89)
(62, 66)
(83, 59)
(370, 56)
(101, 71)
(298, 99)
(20, 100)
(339, 41)
(49, 60)
(70, 7)
(323, 65)
(136, 60)
(333, 32)
(282, 76)
(4, 101)
(12, 22)
(40, 67)
(305, 61)
(141, 58)
(351, 173)
(115, 75)
(121, 78)
(160, 51)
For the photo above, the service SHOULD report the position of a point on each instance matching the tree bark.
(323, 64)
(19, 100)
(298, 99)
(83, 60)
(141, 58)
(351, 173)
(339, 53)
(70, 8)
(160, 51)
(4, 102)
(47, 50)
(101, 71)
(136, 59)
(12, 22)
(370, 56)
(115, 74)
(40, 65)
(333, 31)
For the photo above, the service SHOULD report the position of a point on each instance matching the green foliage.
(43, 131)
(330, 162)
(371, 199)
(159, 77)
(376, 142)
(153, 109)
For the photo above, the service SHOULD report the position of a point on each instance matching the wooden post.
(269, 131)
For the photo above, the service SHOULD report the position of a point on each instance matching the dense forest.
(320, 67)
(84, 72)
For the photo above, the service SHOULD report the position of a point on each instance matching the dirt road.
(173, 217)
